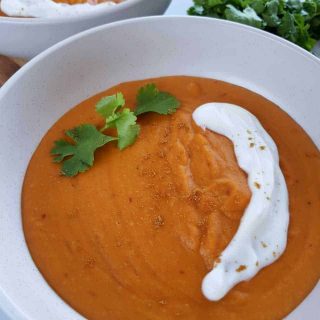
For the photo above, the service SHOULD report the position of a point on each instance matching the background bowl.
(90, 62)
(27, 37)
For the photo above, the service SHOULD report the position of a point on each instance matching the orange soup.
(133, 237)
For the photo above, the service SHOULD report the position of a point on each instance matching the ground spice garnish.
(216, 262)
(90, 263)
(241, 268)
(158, 221)
(257, 185)
(163, 302)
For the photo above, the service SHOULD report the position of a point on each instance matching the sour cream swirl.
(262, 235)
(48, 8)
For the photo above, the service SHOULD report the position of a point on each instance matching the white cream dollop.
(262, 235)
(48, 8)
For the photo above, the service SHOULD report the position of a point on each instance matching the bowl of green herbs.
(295, 20)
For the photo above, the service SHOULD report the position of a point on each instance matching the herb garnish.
(124, 120)
(150, 99)
(87, 140)
(78, 156)
(295, 20)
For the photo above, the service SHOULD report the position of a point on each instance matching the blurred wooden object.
(8, 67)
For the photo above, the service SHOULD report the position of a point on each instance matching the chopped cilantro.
(295, 20)
(247, 16)
(78, 156)
(87, 139)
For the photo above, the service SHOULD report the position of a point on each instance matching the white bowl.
(89, 62)
(27, 37)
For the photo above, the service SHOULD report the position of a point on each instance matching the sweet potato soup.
(133, 237)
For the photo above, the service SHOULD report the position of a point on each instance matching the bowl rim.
(12, 306)
(280, 41)
(70, 19)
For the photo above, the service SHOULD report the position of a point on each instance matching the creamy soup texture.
(133, 237)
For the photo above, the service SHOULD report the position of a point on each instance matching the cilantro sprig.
(87, 139)
(77, 153)
(295, 20)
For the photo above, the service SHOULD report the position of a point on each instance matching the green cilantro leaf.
(87, 139)
(126, 124)
(247, 16)
(150, 99)
(293, 28)
(258, 6)
(294, 5)
(270, 15)
(310, 7)
(107, 106)
(287, 28)
(295, 20)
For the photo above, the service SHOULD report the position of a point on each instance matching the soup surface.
(133, 237)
